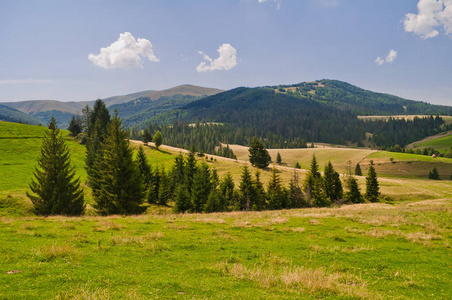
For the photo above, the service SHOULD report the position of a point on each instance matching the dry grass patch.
(136, 240)
(86, 293)
(336, 249)
(54, 251)
(209, 220)
(307, 279)
(108, 225)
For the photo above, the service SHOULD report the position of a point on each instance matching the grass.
(443, 144)
(369, 251)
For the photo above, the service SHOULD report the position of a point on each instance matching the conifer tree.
(55, 189)
(433, 174)
(313, 186)
(164, 191)
(190, 169)
(144, 167)
(259, 156)
(246, 189)
(358, 171)
(278, 159)
(201, 187)
(227, 186)
(260, 196)
(153, 193)
(332, 183)
(147, 137)
(372, 188)
(101, 114)
(274, 191)
(76, 125)
(297, 165)
(182, 202)
(354, 195)
(120, 188)
(295, 193)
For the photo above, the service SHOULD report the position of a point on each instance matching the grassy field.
(368, 251)
(400, 249)
(441, 143)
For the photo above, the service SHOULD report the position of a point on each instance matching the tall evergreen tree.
(332, 183)
(227, 186)
(55, 189)
(101, 114)
(274, 191)
(260, 197)
(182, 201)
(372, 188)
(295, 193)
(147, 137)
(120, 188)
(313, 186)
(358, 171)
(76, 125)
(246, 189)
(354, 194)
(278, 159)
(164, 191)
(259, 156)
(201, 187)
(433, 174)
(144, 167)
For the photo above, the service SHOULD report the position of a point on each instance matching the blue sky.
(153, 45)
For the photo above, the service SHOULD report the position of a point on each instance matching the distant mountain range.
(190, 103)
(152, 102)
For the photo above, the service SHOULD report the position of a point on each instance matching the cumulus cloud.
(390, 57)
(278, 3)
(432, 15)
(225, 61)
(125, 53)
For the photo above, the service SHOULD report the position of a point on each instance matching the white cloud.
(278, 3)
(390, 57)
(226, 61)
(21, 81)
(432, 15)
(125, 53)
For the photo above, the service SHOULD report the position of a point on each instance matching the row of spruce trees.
(121, 184)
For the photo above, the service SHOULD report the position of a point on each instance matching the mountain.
(288, 116)
(154, 103)
(10, 114)
(63, 111)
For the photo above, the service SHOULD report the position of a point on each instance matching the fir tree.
(76, 125)
(274, 191)
(182, 201)
(147, 137)
(260, 195)
(144, 167)
(372, 188)
(433, 174)
(101, 114)
(246, 189)
(297, 165)
(191, 169)
(278, 159)
(358, 171)
(120, 188)
(295, 193)
(332, 183)
(354, 194)
(201, 187)
(259, 156)
(55, 190)
(164, 191)
(227, 190)
(153, 193)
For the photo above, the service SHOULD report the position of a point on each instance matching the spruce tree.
(278, 159)
(76, 125)
(55, 190)
(144, 167)
(182, 201)
(372, 188)
(274, 191)
(246, 189)
(260, 196)
(433, 174)
(354, 195)
(332, 183)
(101, 114)
(259, 156)
(358, 171)
(295, 193)
(120, 188)
(227, 186)
(164, 191)
(147, 137)
(297, 165)
(201, 187)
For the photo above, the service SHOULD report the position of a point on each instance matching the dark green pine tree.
(76, 125)
(191, 169)
(433, 174)
(154, 186)
(144, 167)
(164, 192)
(55, 190)
(147, 137)
(354, 195)
(278, 159)
(295, 194)
(297, 165)
(372, 188)
(259, 201)
(332, 183)
(101, 114)
(313, 186)
(274, 191)
(259, 156)
(314, 167)
(227, 186)
(120, 188)
(201, 187)
(246, 190)
(182, 201)
(358, 171)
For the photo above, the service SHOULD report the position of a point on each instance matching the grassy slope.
(370, 251)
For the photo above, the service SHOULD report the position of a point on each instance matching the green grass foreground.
(368, 251)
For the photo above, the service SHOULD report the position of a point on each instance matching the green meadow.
(398, 249)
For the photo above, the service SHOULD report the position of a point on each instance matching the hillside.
(10, 114)
(186, 89)
(288, 117)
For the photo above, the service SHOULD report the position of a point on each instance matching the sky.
(84, 50)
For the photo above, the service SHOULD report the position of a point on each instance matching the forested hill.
(288, 116)
(10, 114)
